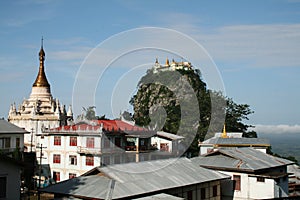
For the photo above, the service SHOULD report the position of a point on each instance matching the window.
(89, 161)
(237, 182)
(72, 175)
(73, 160)
(90, 142)
(260, 179)
(56, 158)
(56, 176)
(73, 141)
(57, 140)
(118, 141)
(5, 143)
(203, 195)
(3, 183)
(17, 142)
(190, 195)
(215, 191)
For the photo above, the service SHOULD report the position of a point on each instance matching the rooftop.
(133, 179)
(9, 128)
(237, 141)
(239, 159)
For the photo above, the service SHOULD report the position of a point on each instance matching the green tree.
(90, 113)
(167, 90)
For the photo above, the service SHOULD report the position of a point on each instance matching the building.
(171, 67)
(254, 174)
(10, 178)
(167, 142)
(294, 180)
(11, 137)
(40, 110)
(72, 150)
(178, 177)
(232, 140)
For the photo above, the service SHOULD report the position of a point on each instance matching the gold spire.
(224, 134)
(167, 62)
(41, 80)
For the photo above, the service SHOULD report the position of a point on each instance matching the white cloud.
(277, 129)
(258, 45)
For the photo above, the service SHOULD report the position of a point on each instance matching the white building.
(11, 144)
(171, 67)
(167, 142)
(232, 140)
(177, 177)
(11, 137)
(40, 110)
(75, 149)
(254, 174)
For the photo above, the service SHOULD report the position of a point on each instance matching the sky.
(250, 50)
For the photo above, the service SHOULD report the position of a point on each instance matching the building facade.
(177, 177)
(40, 110)
(75, 149)
(11, 137)
(254, 174)
(232, 140)
(171, 66)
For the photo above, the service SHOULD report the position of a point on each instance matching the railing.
(97, 151)
(86, 150)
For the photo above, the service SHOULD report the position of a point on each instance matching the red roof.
(108, 125)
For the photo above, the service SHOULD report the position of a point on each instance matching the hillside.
(179, 102)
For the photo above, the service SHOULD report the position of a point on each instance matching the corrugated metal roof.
(237, 141)
(161, 196)
(247, 159)
(7, 128)
(138, 178)
(169, 135)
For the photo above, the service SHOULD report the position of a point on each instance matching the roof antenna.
(42, 41)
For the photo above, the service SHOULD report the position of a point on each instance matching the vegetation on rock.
(180, 103)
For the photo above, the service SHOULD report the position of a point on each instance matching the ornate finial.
(42, 42)
(41, 80)
(224, 134)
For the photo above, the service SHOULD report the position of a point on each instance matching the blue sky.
(254, 44)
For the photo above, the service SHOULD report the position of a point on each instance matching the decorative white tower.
(40, 110)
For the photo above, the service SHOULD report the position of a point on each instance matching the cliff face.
(173, 101)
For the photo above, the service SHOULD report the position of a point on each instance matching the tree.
(90, 113)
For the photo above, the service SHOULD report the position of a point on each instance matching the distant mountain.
(284, 144)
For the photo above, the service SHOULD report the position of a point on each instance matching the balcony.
(98, 151)
(86, 150)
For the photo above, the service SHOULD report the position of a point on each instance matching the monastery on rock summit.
(40, 110)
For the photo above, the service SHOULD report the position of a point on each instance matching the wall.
(65, 150)
(196, 191)
(13, 177)
(261, 190)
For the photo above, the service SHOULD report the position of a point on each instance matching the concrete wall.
(196, 191)
(13, 138)
(253, 189)
(13, 179)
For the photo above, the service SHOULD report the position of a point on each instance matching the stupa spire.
(41, 79)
